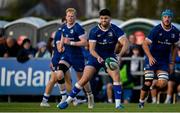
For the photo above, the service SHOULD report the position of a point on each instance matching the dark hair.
(63, 19)
(26, 40)
(105, 12)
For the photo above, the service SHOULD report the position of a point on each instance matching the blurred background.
(121, 9)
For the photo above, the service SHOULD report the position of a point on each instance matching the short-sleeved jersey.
(105, 40)
(56, 54)
(162, 41)
(73, 33)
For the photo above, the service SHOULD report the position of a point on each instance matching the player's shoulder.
(158, 27)
(77, 25)
(95, 29)
(62, 26)
(114, 26)
(174, 28)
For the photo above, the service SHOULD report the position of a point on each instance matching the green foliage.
(21, 6)
(112, 5)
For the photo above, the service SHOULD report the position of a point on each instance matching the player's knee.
(146, 87)
(62, 81)
(52, 82)
(161, 84)
(162, 80)
(63, 68)
(149, 76)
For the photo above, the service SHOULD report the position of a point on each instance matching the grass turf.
(99, 107)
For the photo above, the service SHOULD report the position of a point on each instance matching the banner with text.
(29, 78)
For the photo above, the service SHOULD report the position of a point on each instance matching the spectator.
(26, 52)
(135, 64)
(11, 47)
(8, 47)
(132, 42)
(50, 43)
(2, 45)
(42, 51)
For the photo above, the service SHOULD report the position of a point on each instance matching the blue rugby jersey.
(56, 54)
(73, 34)
(162, 41)
(105, 40)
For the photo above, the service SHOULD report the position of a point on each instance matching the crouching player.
(158, 47)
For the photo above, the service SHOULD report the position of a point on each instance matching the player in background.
(102, 41)
(55, 71)
(72, 40)
(157, 47)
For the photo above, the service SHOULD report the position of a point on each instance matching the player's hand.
(100, 60)
(60, 47)
(152, 61)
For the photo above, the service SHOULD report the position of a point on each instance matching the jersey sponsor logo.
(165, 42)
(110, 34)
(172, 35)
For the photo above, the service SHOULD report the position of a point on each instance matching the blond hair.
(71, 10)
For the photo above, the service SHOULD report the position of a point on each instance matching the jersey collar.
(164, 28)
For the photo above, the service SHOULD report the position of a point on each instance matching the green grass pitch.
(99, 107)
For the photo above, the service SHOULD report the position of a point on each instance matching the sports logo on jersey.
(98, 35)
(172, 35)
(63, 30)
(71, 31)
(104, 41)
(160, 34)
(110, 34)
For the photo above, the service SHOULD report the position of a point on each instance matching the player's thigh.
(67, 77)
(114, 74)
(88, 72)
(162, 78)
(53, 76)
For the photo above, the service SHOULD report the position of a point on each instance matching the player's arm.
(172, 60)
(61, 44)
(145, 45)
(124, 43)
(81, 35)
(92, 45)
(82, 42)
